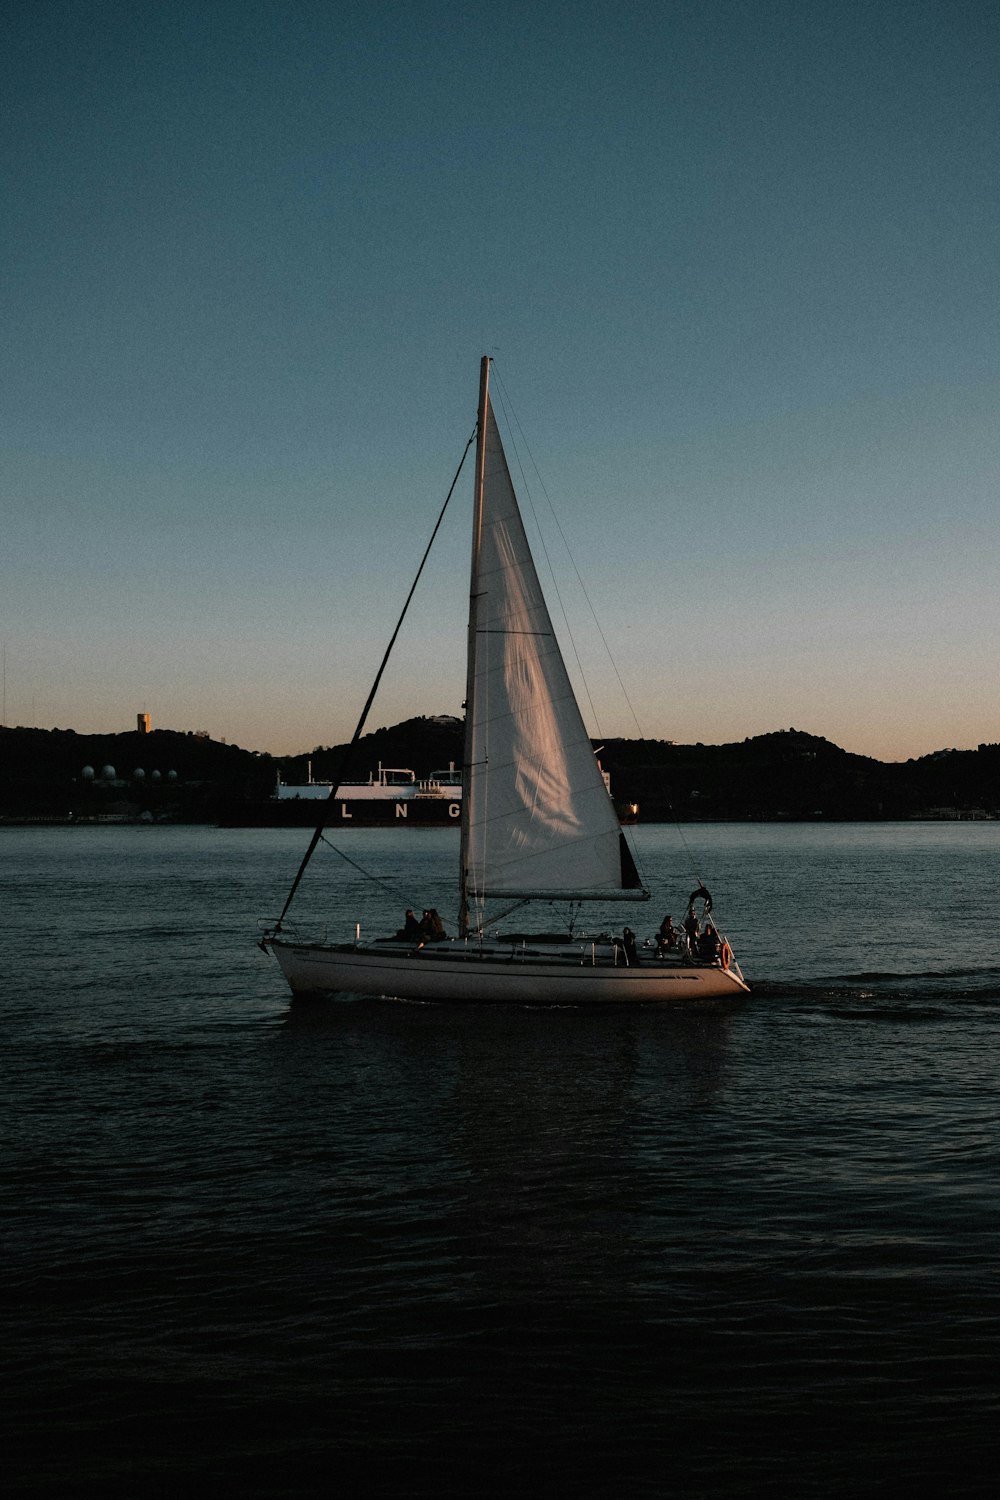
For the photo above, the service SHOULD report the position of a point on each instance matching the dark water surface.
(362, 1247)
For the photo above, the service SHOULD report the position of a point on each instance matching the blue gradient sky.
(738, 264)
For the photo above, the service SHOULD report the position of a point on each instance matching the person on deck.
(709, 945)
(432, 928)
(666, 938)
(410, 928)
(691, 931)
(628, 943)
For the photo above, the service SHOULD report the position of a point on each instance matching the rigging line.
(631, 707)
(514, 420)
(345, 759)
(390, 890)
(501, 915)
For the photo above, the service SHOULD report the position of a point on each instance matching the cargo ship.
(393, 796)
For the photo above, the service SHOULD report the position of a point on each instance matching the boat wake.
(911, 993)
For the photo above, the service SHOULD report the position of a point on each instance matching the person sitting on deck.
(666, 938)
(709, 945)
(432, 928)
(410, 928)
(628, 943)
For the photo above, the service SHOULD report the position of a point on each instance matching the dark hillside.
(190, 778)
(793, 775)
(165, 775)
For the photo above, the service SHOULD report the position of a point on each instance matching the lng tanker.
(392, 795)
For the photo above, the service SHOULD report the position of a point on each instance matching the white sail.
(540, 819)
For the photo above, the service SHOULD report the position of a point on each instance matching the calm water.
(372, 1248)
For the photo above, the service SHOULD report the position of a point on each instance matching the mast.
(470, 674)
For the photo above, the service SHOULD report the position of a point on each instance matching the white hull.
(580, 974)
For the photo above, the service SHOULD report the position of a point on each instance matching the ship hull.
(416, 812)
(466, 973)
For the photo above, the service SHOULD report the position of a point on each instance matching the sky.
(737, 265)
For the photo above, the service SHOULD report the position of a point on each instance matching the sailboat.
(537, 821)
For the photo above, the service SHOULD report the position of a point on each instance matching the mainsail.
(539, 819)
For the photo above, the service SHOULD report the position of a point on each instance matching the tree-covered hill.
(788, 774)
